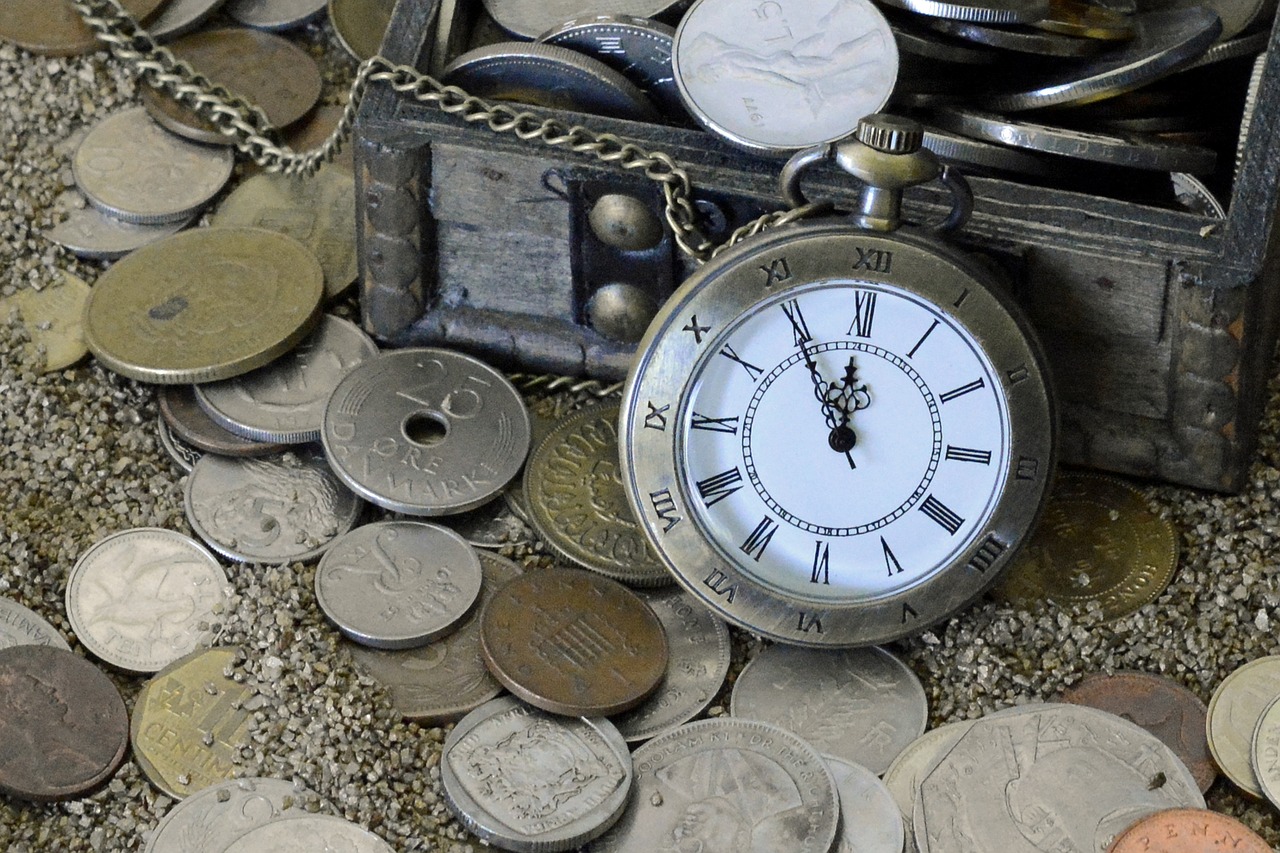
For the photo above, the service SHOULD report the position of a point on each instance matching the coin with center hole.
(425, 431)
(64, 728)
(572, 642)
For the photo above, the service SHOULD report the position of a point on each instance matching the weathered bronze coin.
(361, 24)
(1188, 831)
(576, 501)
(181, 411)
(55, 28)
(1097, 542)
(265, 69)
(573, 642)
(204, 305)
(1163, 707)
(63, 726)
(190, 721)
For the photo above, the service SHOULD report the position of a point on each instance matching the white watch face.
(842, 440)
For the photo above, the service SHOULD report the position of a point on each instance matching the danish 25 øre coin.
(572, 642)
(1234, 711)
(425, 431)
(63, 725)
(203, 305)
(1189, 831)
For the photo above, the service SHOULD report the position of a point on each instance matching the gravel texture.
(80, 458)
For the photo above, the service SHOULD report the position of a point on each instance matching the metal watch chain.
(254, 135)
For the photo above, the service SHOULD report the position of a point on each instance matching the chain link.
(254, 135)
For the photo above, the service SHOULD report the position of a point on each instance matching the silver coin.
(1266, 751)
(1132, 150)
(179, 17)
(863, 705)
(1227, 48)
(398, 584)
(309, 834)
(981, 156)
(284, 401)
(698, 660)
(727, 786)
(21, 626)
(1250, 107)
(133, 169)
(210, 819)
(526, 780)
(978, 11)
(143, 598)
(1164, 41)
(1049, 777)
(1238, 16)
(494, 525)
(441, 682)
(275, 509)
(923, 44)
(274, 14)
(913, 764)
(1234, 711)
(1018, 39)
(426, 431)
(784, 75)
(637, 48)
(179, 451)
(530, 18)
(869, 817)
(548, 76)
(1192, 194)
(89, 233)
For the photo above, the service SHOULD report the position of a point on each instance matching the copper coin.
(265, 69)
(181, 411)
(63, 725)
(311, 132)
(55, 28)
(1188, 831)
(1171, 712)
(573, 642)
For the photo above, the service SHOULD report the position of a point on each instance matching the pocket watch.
(839, 432)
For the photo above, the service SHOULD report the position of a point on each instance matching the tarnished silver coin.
(22, 626)
(1265, 751)
(90, 233)
(1234, 711)
(863, 705)
(276, 509)
(726, 786)
(637, 48)
(141, 599)
(192, 424)
(978, 11)
(398, 584)
(179, 17)
(284, 401)
(1191, 193)
(869, 818)
(526, 780)
(1164, 41)
(274, 14)
(133, 169)
(783, 75)
(441, 682)
(494, 525)
(183, 454)
(548, 76)
(212, 818)
(1063, 777)
(699, 651)
(309, 834)
(426, 431)
(1132, 150)
(529, 18)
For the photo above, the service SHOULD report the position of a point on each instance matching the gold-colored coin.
(189, 723)
(202, 305)
(55, 28)
(53, 318)
(361, 24)
(1098, 541)
(577, 504)
(1083, 19)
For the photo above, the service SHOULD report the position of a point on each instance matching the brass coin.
(1083, 19)
(63, 727)
(577, 503)
(573, 642)
(204, 305)
(55, 28)
(1188, 831)
(52, 317)
(189, 723)
(1097, 542)
(1171, 712)
(264, 69)
(361, 24)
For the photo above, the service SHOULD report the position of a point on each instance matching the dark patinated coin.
(1163, 707)
(181, 411)
(63, 726)
(54, 28)
(573, 642)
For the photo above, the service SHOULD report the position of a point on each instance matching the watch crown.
(890, 134)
